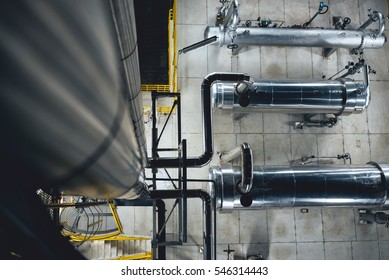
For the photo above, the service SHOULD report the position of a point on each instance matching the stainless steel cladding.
(124, 19)
(64, 102)
(291, 37)
(359, 186)
(338, 97)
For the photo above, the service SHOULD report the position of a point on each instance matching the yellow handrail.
(74, 237)
(142, 256)
(172, 58)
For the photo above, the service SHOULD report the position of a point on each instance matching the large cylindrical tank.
(359, 186)
(338, 97)
(64, 104)
(291, 37)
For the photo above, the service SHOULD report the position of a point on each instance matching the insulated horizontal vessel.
(293, 37)
(357, 186)
(338, 97)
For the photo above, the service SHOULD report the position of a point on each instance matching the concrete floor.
(285, 233)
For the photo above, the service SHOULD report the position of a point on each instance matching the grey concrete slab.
(277, 149)
(219, 59)
(143, 221)
(227, 228)
(355, 123)
(323, 68)
(249, 61)
(384, 250)
(383, 232)
(195, 222)
(299, 63)
(358, 147)
(338, 250)
(365, 250)
(248, 10)
(281, 225)
(234, 254)
(224, 142)
(273, 62)
(188, 253)
(253, 226)
(251, 123)
(192, 64)
(127, 219)
(378, 115)
(276, 123)
(267, 10)
(222, 122)
(378, 147)
(330, 145)
(310, 251)
(303, 145)
(254, 250)
(309, 226)
(282, 251)
(191, 12)
(296, 12)
(338, 224)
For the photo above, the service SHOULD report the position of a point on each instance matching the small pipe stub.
(244, 185)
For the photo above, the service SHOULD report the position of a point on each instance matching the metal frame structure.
(180, 193)
(182, 183)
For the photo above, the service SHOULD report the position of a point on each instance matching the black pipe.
(197, 45)
(206, 157)
(173, 194)
(162, 231)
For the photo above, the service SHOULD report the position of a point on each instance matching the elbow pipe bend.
(381, 22)
(246, 182)
(206, 157)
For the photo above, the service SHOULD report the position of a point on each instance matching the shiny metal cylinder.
(338, 97)
(124, 19)
(358, 186)
(65, 101)
(290, 37)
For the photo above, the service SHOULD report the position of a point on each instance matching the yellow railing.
(172, 58)
(75, 237)
(142, 256)
(159, 88)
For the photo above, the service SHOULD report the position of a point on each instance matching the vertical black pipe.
(184, 193)
(178, 118)
(162, 232)
(154, 130)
